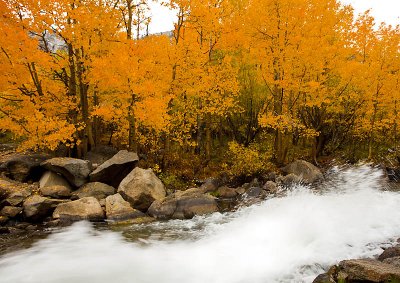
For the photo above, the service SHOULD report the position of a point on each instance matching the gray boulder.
(58, 192)
(114, 170)
(305, 170)
(390, 252)
(53, 179)
(270, 187)
(119, 209)
(75, 171)
(226, 192)
(289, 180)
(183, 206)
(100, 154)
(87, 208)
(37, 207)
(23, 167)
(141, 187)
(95, 189)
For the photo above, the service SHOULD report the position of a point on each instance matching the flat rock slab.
(368, 270)
(75, 171)
(37, 207)
(95, 189)
(58, 192)
(114, 170)
(141, 187)
(87, 208)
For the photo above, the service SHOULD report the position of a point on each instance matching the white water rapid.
(286, 239)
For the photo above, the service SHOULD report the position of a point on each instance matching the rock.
(289, 180)
(393, 261)
(53, 179)
(101, 154)
(87, 208)
(119, 209)
(324, 278)
(367, 270)
(141, 187)
(3, 220)
(240, 190)
(225, 192)
(114, 170)
(18, 196)
(254, 192)
(75, 171)
(58, 192)
(209, 185)
(10, 188)
(184, 207)
(11, 211)
(95, 189)
(37, 207)
(270, 187)
(305, 170)
(23, 167)
(390, 252)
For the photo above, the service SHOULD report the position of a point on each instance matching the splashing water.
(286, 239)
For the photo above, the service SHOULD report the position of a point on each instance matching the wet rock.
(58, 192)
(324, 278)
(50, 179)
(254, 192)
(305, 170)
(270, 187)
(395, 261)
(95, 189)
(119, 209)
(75, 171)
(240, 190)
(184, 207)
(390, 252)
(289, 180)
(225, 192)
(87, 208)
(11, 211)
(114, 170)
(367, 270)
(141, 187)
(23, 167)
(37, 207)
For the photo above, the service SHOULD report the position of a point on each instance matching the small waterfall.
(285, 239)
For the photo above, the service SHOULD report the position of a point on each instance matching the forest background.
(238, 87)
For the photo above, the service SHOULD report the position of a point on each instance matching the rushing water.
(287, 239)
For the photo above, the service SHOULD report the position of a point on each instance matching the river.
(291, 238)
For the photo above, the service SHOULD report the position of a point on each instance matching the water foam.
(286, 239)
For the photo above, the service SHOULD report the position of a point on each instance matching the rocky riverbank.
(36, 189)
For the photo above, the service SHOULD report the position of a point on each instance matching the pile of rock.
(70, 189)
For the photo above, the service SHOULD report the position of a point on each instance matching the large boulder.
(119, 209)
(95, 189)
(23, 167)
(367, 270)
(76, 171)
(11, 211)
(308, 172)
(18, 195)
(50, 179)
(37, 207)
(100, 154)
(87, 208)
(58, 192)
(141, 187)
(183, 206)
(114, 170)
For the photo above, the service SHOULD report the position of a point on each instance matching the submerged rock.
(305, 170)
(114, 170)
(76, 171)
(141, 188)
(87, 208)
